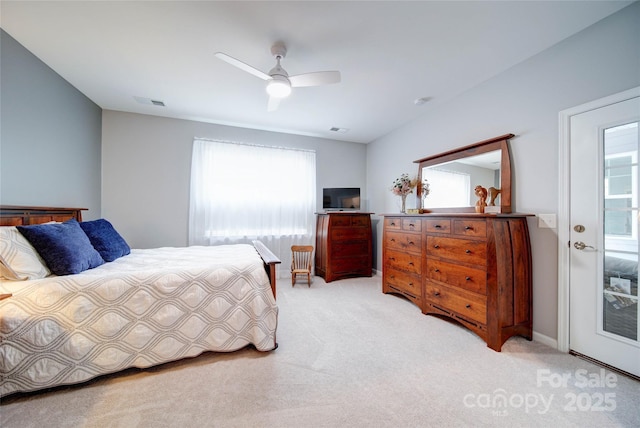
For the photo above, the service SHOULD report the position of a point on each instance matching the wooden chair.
(301, 262)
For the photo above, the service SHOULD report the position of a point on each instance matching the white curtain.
(453, 188)
(243, 192)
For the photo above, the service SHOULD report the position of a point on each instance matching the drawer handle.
(392, 276)
(468, 228)
(392, 239)
(436, 270)
(412, 243)
(412, 225)
(437, 293)
(411, 284)
(437, 226)
(467, 251)
(392, 259)
(410, 263)
(392, 224)
(468, 278)
(468, 306)
(436, 246)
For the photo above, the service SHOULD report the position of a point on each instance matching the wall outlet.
(547, 221)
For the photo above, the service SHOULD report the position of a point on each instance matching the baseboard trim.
(546, 340)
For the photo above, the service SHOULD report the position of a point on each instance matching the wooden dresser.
(473, 268)
(343, 245)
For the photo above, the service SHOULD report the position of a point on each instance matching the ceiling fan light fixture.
(279, 83)
(279, 87)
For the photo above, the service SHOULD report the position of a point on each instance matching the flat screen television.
(341, 198)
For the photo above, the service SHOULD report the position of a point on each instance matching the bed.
(142, 309)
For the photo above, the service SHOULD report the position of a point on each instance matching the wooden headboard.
(14, 215)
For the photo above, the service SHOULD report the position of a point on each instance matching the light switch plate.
(547, 221)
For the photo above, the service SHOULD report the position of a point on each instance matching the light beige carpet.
(349, 356)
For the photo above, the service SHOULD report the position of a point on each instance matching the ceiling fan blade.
(242, 66)
(273, 103)
(315, 79)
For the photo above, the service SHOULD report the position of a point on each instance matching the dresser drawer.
(407, 262)
(439, 225)
(467, 304)
(356, 265)
(393, 223)
(349, 249)
(349, 233)
(360, 221)
(464, 250)
(460, 276)
(466, 227)
(412, 224)
(404, 281)
(403, 241)
(340, 220)
(416, 300)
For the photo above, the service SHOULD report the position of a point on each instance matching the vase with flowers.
(424, 191)
(403, 186)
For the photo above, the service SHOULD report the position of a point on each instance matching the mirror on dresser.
(465, 265)
(453, 176)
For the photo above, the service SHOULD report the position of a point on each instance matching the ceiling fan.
(279, 83)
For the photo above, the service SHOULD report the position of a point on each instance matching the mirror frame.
(497, 143)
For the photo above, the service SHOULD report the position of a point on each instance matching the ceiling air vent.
(340, 130)
(149, 101)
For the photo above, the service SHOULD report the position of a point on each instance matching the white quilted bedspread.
(147, 308)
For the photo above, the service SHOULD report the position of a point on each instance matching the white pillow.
(18, 259)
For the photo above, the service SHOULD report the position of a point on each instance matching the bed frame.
(14, 215)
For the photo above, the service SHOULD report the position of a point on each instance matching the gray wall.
(50, 136)
(601, 60)
(146, 163)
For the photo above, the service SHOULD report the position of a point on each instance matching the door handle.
(579, 245)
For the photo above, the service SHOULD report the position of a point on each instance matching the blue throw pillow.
(105, 239)
(64, 247)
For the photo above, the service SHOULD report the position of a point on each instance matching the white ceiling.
(389, 53)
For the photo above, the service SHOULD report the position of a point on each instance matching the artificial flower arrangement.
(402, 186)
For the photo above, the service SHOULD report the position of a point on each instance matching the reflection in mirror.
(453, 176)
(457, 179)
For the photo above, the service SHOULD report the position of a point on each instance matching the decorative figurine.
(481, 193)
(493, 193)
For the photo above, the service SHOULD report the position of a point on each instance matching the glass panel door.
(603, 258)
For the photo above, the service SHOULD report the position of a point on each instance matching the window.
(619, 185)
(621, 182)
(241, 192)
(453, 190)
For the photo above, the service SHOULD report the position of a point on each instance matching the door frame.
(564, 199)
